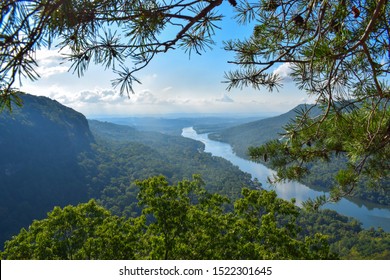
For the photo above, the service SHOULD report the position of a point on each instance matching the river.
(370, 217)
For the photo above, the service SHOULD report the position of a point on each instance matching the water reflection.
(376, 217)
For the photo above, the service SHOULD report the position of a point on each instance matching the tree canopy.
(180, 221)
(338, 52)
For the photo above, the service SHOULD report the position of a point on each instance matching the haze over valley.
(56, 157)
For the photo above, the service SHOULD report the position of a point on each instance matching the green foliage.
(369, 244)
(183, 219)
(180, 221)
(338, 57)
(85, 231)
(341, 59)
(314, 166)
(345, 236)
(52, 159)
(7, 97)
(355, 132)
(62, 235)
(124, 155)
(259, 212)
(256, 224)
(169, 206)
(42, 145)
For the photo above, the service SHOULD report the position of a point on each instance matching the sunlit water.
(376, 217)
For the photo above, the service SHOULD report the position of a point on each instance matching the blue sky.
(172, 84)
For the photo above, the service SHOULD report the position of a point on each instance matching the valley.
(57, 157)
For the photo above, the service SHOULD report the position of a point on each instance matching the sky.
(173, 83)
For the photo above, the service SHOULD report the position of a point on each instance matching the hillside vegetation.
(124, 155)
(41, 146)
(50, 157)
(146, 202)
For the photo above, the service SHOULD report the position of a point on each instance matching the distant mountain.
(174, 126)
(41, 145)
(162, 125)
(256, 133)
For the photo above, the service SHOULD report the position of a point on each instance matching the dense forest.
(78, 189)
(53, 159)
(184, 221)
(125, 155)
(321, 173)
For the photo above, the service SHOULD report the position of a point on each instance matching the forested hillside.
(147, 204)
(41, 146)
(321, 176)
(254, 133)
(51, 158)
(128, 155)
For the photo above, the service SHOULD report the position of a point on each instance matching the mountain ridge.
(258, 132)
(42, 142)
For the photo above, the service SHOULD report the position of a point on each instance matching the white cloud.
(111, 96)
(284, 71)
(224, 98)
(51, 62)
(99, 96)
(89, 97)
(145, 97)
(96, 96)
(167, 89)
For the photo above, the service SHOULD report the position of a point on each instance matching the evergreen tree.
(339, 53)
